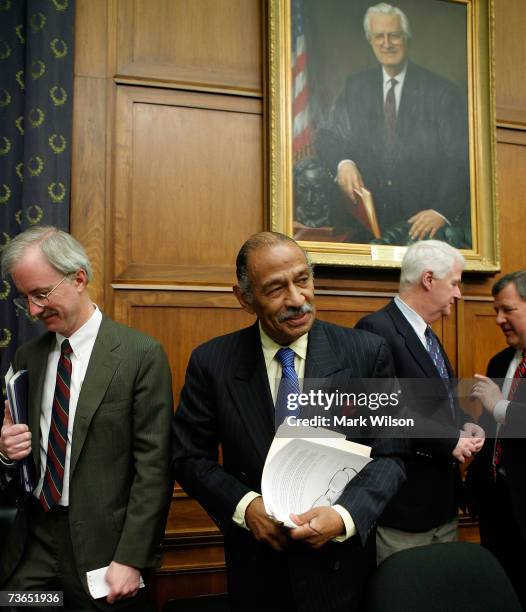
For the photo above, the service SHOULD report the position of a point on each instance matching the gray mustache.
(290, 313)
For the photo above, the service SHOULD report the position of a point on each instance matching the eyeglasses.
(336, 485)
(41, 299)
(393, 38)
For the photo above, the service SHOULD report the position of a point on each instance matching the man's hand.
(466, 447)
(487, 392)
(349, 179)
(15, 440)
(264, 528)
(317, 526)
(123, 581)
(475, 432)
(425, 223)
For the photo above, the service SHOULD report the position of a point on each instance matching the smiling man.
(424, 511)
(400, 130)
(496, 478)
(99, 410)
(230, 398)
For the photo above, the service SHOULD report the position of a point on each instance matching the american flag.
(301, 129)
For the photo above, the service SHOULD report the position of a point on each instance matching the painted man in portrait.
(400, 130)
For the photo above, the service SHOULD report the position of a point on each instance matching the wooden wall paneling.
(180, 320)
(483, 338)
(91, 38)
(88, 176)
(188, 171)
(89, 161)
(93, 110)
(511, 161)
(510, 62)
(209, 44)
(347, 310)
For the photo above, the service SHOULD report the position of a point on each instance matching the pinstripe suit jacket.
(226, 400)
(120, 450)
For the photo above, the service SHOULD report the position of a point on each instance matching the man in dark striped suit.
(228, 399)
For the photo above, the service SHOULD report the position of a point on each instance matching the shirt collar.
(400, 77)
(414, 319)
(84, 335)
(270, 348)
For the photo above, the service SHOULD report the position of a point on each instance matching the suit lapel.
(37, 366)
(375, 114)
(321, 360)
(412, 341)
(411, 96)
(102, 366)
(250, 392)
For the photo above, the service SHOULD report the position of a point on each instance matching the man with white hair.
(400, 131)
(425, 508)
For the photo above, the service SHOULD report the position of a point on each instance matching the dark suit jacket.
(226, 400)
(431, 493)
(480, 474)
(120, 451)
(428, 167)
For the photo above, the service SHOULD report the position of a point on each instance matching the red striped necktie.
(390, 114)
(520, 373)
(58, 432)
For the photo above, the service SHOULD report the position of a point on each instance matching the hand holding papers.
(16, 389)
(307, 472)
(97, 585)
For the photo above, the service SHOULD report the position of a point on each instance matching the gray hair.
(385, 9)
(517, 278)
(434, 255)
(62, 251)
(255, 242)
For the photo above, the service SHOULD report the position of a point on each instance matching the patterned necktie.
(435, 352)
(520, 372)
(58, 432)
(433, 348)
(289, 385)
(390, 114)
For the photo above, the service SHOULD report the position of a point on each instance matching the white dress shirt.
(413, 318)
(501, 407)
(400, 78)
(81, 342)
(273, 366)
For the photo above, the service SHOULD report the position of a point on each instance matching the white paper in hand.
(98, 587)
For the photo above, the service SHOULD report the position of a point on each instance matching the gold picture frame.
(482, 253)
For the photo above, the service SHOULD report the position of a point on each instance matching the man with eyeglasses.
(99, 410)
(400, 131)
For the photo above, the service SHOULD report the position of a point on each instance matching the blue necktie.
(433, 348)
(289, 385)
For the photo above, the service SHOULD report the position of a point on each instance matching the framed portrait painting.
(382, 128)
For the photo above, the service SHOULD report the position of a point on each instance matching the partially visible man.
(228, 399)
(400, 131)
(424, 511)
(496, 478)
(99, 404)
